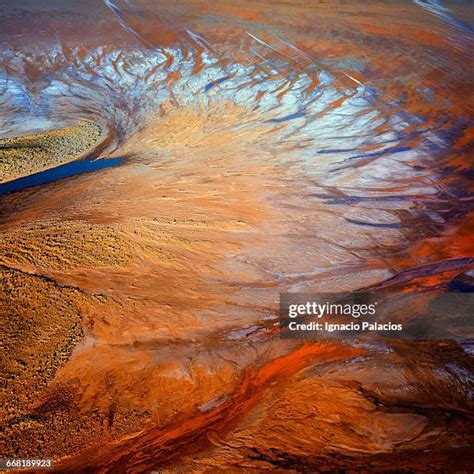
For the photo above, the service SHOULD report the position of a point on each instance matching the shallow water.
(59, 172)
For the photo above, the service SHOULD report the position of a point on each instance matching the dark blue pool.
(60, 172)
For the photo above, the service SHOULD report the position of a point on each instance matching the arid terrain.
(216, 155)
(26, 154)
